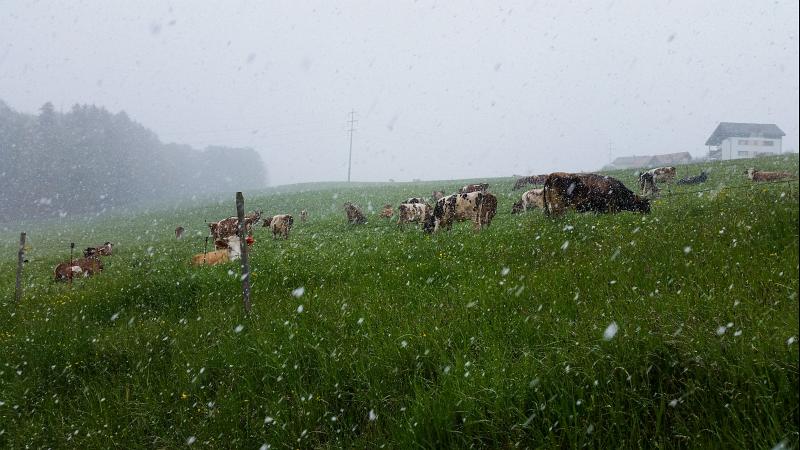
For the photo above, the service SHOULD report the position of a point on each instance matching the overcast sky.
(441, 90)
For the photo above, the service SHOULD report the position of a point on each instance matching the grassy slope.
(450, 351)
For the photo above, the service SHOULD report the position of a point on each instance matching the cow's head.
(267, 221)
(641, 204)
(750, 172)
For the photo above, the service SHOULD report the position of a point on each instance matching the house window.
(744, 153)
(768, 143)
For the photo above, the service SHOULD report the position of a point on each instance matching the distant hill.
(89, 160)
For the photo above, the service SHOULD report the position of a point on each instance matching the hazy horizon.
(440, 91)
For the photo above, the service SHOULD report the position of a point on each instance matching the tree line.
(89, 160)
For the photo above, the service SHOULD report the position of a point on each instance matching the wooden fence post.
(71, 273)
(20, 260)
(243, 244)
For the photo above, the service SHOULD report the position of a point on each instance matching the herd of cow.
(560, 191)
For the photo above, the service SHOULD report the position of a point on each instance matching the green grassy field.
(498, 339)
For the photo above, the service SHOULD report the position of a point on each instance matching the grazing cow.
(760, 175)
(231, 252)
(100, 250)
(647, 185)
(413, 212)
(533, 198)
(662, 174)
(85, 267)
(280, 225)
(179, 232)
(415, 200)
(387, 212)
(487, 210)
(230, 226)
(524, 181)
(478, 187)
(303, 216)
(436, 195)
(354, 214)
(455, 207)
(589, 192)
(697, 179)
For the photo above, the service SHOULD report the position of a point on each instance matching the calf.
(478, 187)
(232, 252)
(280, 225)
(455, 207)
(589, 192)
(759, 175)
(695, 179)
(354, 214)
(413, 212)
(533, 198)
(86, 267)
(387, 212)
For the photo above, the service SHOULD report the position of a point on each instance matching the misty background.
(440, 90)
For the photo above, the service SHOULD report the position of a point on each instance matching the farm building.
(634, 162)
(732, 140)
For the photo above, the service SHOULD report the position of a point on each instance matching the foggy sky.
(441, 90)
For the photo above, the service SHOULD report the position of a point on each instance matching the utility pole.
(350, 156)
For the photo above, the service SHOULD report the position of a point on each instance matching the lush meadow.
(673, 329)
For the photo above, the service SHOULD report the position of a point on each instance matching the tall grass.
(495, 339)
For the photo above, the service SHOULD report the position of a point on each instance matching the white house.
(744, 140)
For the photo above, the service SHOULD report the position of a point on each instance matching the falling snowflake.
(611, 331)
(297, 293)
(190, 440)
(300, 309)
(238, 328)
(372, 415)
(505, 271)
(687, 250)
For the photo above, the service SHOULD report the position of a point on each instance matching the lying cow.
(231, 252)
(697, 179)
(478, 187)
(100, 250)
(533, 198)
(230, 226)
(455, 207)
(84, 267)
(524, 181)
(589, 192)
(387, 212)
(280, 225)
(413, 213)
(760, 175)
(354, 214)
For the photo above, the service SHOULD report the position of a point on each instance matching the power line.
(350, 155)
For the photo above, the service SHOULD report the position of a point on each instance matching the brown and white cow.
(230, 226)
(533, 198)
(280, 225)
(413, 213)
(487, 210)
(84, 267)
(477, 187)
(662, 174)
(231, 252)
(455, 207)
(387, 212)
(354, 214)
(100, 250)
(647, 185)
(524, 181)
(760, 175)
(586, 192)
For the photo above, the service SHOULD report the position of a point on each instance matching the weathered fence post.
(71, 273)
(205, 251)
(20, 260)
(243, 244)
